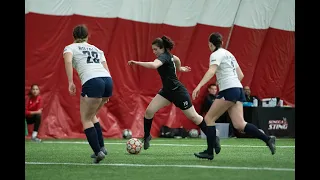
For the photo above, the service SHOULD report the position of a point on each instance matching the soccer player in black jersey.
(173, 91)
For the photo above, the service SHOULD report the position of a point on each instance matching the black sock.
(203, 126)
(147, 126)
(92, 138)
(211, 138)
(99, 133)
(255, 132)
(37, 121)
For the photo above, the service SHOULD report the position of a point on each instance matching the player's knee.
(209, 118)
(149, 113)
(239, 125)
(87, 115)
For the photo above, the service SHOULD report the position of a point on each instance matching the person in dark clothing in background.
(209, 98)
(247, 93)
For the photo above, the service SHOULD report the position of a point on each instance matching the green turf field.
(166, 159)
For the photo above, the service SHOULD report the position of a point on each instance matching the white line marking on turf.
(165, 165)
(118, 143)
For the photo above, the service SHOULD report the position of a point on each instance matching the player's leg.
(182, 99)
(192, 114)
(158, 102)
(218, 107)
(35, 120)
(96, 124)
(105, 98)
(90, 101)
(236, 116)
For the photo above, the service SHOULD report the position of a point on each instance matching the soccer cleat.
(217, 149)
(99, 157)
(204, 156)
(103, 149)
(204, 152)
(146, 142)
(35, 139)
(272, 144)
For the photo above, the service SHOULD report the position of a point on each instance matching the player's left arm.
(67, 56)
(151, 65)
(180, 68)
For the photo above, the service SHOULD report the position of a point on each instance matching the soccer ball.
(134, 146)
(193, 133)
(126, 134)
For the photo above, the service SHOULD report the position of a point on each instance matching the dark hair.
(164, 42)
(213, 84)
(80, 33)
(216, 39)
(30, 91)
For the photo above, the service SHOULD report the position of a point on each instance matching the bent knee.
(149, 113)
(239, 125)
(209, 118)
(88, 114)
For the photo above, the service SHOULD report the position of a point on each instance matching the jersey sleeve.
(162, 58)
(236, 64)
(103, 58)
(215, 59)
(67, 49)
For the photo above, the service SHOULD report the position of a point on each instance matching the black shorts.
(179, 97)
(31, 119)
(232, 94)
(97, 87)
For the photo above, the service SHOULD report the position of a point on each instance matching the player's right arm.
(215, 61)
(151, 65)
(67, 56)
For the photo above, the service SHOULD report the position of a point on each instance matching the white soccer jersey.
(87, 61)
(226, 72)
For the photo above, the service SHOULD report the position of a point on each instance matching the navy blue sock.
(92, 138)
(255, 132)
(211, 138)
(147, 126)
(203, 126)
(99, 133)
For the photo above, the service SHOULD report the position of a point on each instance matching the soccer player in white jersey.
(96, 81)
(230, 96)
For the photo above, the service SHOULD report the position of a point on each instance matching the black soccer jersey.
(167, 72)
